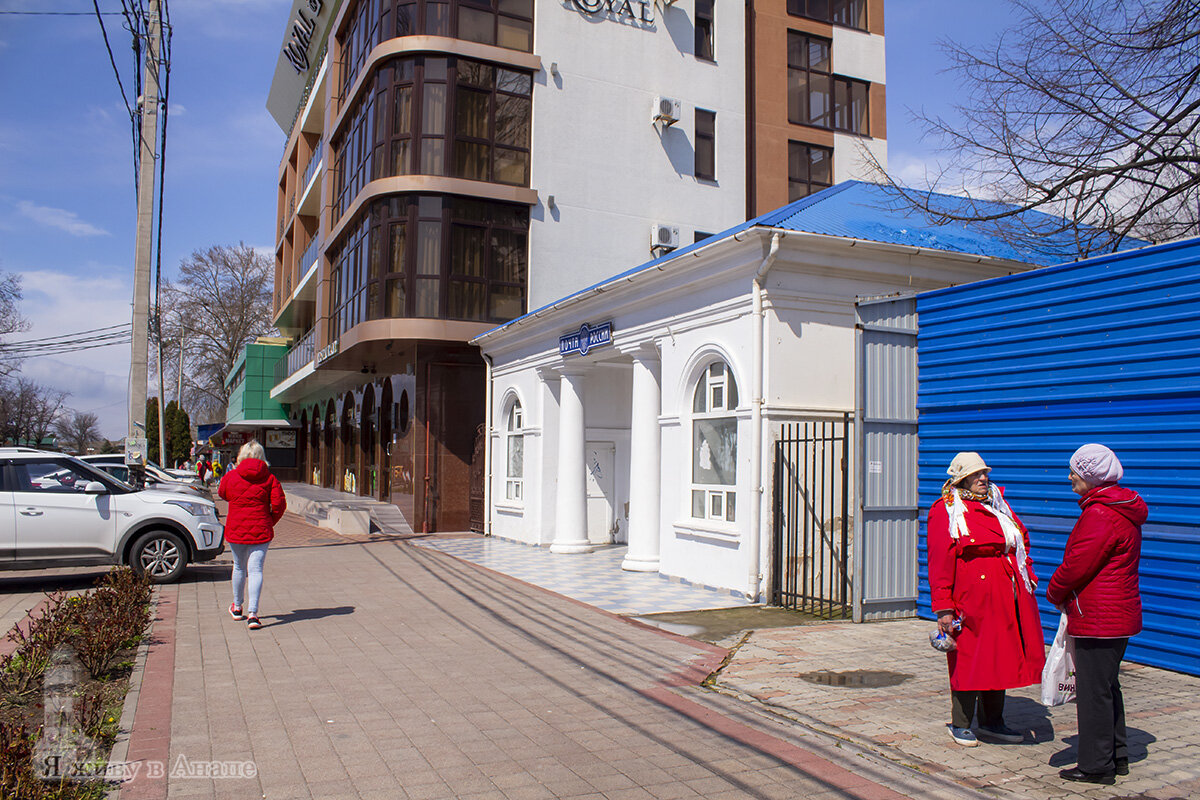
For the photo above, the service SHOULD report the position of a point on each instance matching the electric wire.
(111, 59)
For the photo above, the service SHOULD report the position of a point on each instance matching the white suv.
(57, 511)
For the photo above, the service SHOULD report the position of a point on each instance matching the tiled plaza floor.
(594, 578)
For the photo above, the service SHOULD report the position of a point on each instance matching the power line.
(62, 335)
(61, 13)
(112, 60)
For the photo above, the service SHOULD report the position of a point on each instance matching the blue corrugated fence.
(1026, 368)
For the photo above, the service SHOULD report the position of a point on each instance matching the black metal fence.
(811, 517)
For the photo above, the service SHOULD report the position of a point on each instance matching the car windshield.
(110, 481)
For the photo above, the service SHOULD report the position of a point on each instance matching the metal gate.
(810, 513)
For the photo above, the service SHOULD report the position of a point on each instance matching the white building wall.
(612, 172)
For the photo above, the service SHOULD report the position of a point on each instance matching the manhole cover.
(855, 678)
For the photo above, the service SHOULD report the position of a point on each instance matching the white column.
(570, 507)
(645, 464)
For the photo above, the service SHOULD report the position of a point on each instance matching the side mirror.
(95, 487)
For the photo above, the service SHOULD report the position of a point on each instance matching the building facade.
(452, 165)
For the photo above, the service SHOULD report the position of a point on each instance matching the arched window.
(514, 471)
(714, 444)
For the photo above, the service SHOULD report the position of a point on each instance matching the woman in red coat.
(1097, 587)
(256, 503)
(982, 585)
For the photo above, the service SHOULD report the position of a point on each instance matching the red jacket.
(256, 502)
(1097, 584)
(1000, 644)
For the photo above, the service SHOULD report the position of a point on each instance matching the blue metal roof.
(1025, 368)
(876, 213)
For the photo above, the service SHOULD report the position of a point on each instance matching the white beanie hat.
(1096, 464)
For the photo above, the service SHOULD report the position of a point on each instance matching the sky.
(67, 204)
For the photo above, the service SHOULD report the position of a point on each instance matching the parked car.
(156, 477)
(63, 512)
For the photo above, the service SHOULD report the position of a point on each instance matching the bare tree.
(77, 430)
(29, 411)
(11, 320)
(1086, 109)
(222, 300)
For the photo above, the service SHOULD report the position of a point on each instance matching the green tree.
(179, 434)
(152, 429)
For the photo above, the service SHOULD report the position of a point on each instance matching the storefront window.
(714, 445)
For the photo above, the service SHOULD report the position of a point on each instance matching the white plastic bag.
(1058, 676)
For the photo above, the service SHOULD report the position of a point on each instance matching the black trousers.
(1099, 706)
(963, 703)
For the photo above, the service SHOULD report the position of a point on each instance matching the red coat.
(256, 502)
(1000, 645)
(1097, 584)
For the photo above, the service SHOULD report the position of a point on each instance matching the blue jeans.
(248, 564)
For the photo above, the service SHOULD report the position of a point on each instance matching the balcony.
(300, 355)
(309, 258)
(314, 163)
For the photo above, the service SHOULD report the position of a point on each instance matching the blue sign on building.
(585, 339)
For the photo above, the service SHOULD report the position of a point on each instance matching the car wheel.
(160, 555)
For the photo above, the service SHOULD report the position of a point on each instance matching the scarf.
(995, 503)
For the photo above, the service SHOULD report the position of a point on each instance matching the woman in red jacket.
(1097, 587)
(982, 583)
(256, 503)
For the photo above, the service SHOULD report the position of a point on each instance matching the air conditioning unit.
(664, 238)
(667, 110)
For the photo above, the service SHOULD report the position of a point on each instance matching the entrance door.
(601, 460)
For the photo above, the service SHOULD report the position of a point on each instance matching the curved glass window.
(431, 256)
(504, 23)
(714, 444)
(436, 115)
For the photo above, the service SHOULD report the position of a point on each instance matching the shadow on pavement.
(301, 614)
(1137, 740)
(52, 583)
(719, 626)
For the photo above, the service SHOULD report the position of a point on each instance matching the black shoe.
(1076, 774)
(1122, 766)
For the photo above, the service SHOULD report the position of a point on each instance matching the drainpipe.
(487, 450)
(759, 321)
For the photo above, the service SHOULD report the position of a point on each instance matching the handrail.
(301, 354)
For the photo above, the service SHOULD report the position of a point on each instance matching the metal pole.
(139, 368)
(179, 391)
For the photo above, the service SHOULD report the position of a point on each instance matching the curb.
(149, 741)
(120, 748)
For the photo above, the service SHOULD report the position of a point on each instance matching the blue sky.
(67, 206)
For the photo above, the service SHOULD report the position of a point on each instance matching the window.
(49, 477)
(714, 445)
(433, 257)
(810, 169)
(514, 470)
(504, 23)
(436, 115)
(818, 97)
(700, 236)
(704, 30)
(850, 13)
(706, 145)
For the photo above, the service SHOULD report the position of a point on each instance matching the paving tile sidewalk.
(386, 670)
(907, 721)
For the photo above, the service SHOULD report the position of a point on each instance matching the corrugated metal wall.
(886, 526)
(1024, 369)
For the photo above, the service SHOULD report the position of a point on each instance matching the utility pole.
(135, 443)
(179, 391)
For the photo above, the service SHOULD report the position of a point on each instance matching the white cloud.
(67, 221)
(57, 303)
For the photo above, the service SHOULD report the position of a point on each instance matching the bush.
(109, 619)
(21, 670)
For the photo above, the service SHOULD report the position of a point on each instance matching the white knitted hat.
(1097, 464)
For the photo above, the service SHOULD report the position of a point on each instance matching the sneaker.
(253, 623)
(235, 611)
(963, 736)
(1000, 733)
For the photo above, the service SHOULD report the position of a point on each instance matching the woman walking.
(982, 584)
(256, 504)
(1097, 587)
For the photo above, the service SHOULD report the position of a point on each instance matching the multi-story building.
(452, 164)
